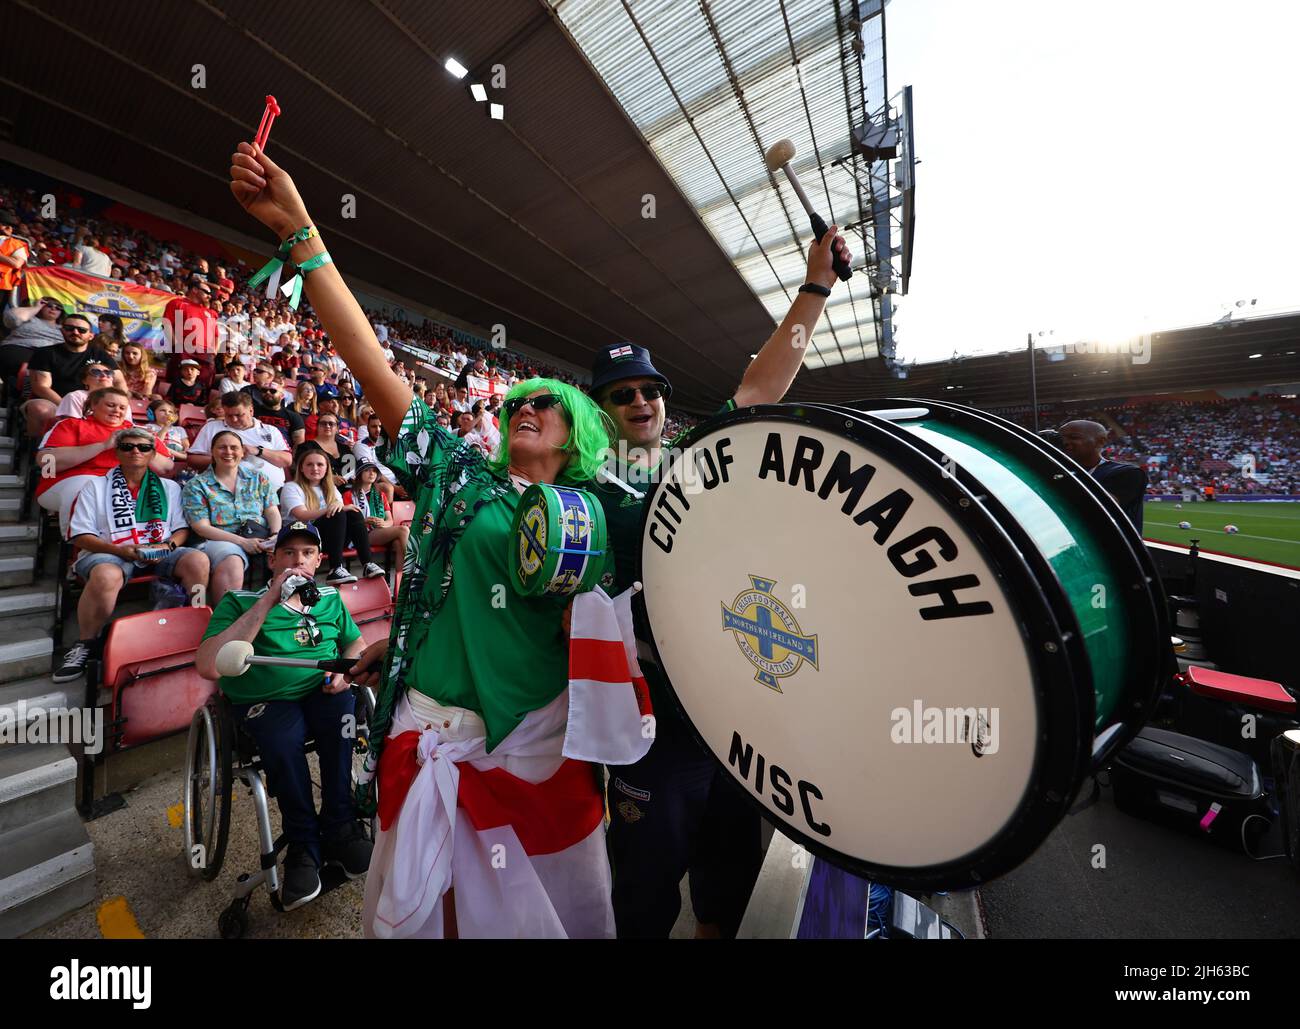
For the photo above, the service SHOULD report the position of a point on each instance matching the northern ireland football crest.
(768, 634)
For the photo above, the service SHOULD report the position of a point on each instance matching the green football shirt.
(463, 636)
(320, 635)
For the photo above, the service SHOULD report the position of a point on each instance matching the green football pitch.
(1269, 531)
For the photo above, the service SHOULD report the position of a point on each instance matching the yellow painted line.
(175, 814)
(117, 921)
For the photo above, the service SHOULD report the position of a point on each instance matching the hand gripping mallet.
(236, 657)
(778, 156)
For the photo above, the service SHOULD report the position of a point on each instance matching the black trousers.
(337, 530)
(676, 811)
(12, 357)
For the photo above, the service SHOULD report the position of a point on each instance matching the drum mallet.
(236, 657)
(778, 156)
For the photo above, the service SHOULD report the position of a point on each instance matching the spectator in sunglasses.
(54, 372)
(500, 671)
(93, 376)
(32, 328)
(78, 450)
(127, 522)
(692, 816)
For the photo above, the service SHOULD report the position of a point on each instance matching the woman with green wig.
(485, 828)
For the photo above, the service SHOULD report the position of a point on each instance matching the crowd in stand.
(1248, 445)
(181, 462)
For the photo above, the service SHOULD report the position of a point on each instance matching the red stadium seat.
(139, 411)
(161, 386)
(403, 511)
(191, 413)
(1240, 689)
(148, 668)
(371, 605)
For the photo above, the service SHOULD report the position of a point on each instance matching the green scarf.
(151, 503)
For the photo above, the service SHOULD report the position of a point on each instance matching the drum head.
(862, 646)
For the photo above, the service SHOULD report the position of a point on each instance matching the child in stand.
(162, 424)
(374, 507)
(311, 496)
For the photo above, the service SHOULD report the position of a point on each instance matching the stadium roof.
(1247, 353)
(533, 221)
(711, 85)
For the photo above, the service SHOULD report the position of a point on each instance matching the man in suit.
(1127, 483)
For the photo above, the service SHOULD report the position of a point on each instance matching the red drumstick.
(264, 129)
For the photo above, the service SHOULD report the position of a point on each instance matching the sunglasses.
(540, 403)
(623, 397)
(100, 373)
(141, 448)
(78, 329)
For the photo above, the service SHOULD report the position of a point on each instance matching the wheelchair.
(217, 755)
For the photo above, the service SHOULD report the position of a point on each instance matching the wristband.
(276, 264)
(301, 236)
(317, 261)
(813, 287)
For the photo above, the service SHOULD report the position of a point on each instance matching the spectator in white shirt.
(263, 444)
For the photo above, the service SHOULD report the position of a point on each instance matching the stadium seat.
(370, 603)
(1240, 689)
(147, 670)
(139, 411)
(403, 511)
(161, 386)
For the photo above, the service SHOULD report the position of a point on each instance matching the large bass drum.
(908, 631)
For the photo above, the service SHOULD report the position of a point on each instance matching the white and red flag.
(518, 834)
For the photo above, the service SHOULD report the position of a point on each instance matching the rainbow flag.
(140, 308)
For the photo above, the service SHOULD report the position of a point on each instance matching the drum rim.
(1056, 771)
(1104, 513)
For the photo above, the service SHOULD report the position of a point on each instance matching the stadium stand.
(1247, 445)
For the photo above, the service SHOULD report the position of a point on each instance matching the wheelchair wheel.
(232, 923)
(207, 789)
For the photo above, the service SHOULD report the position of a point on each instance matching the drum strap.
(605, 475)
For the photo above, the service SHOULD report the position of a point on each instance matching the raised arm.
(267, 192)
(773, 369)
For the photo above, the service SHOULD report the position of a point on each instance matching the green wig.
(591, 432)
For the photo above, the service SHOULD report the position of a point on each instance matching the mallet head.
(232, 658)
(779, 153)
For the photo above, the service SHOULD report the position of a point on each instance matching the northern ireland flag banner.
(140, 308)
(610, 718)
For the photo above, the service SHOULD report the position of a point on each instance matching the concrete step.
(11, 507)
(27, 602)
(24, 651)
(7, 443)
(37, 780)
(17, 570)
(37, 691)
(46, 870)
(18, 538)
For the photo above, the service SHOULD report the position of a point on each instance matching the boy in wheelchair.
(282, 707)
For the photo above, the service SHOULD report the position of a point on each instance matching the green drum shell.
(538, 578)
(1047, 512)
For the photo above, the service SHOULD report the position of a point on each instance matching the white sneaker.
(339, 575)
(372, 571)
